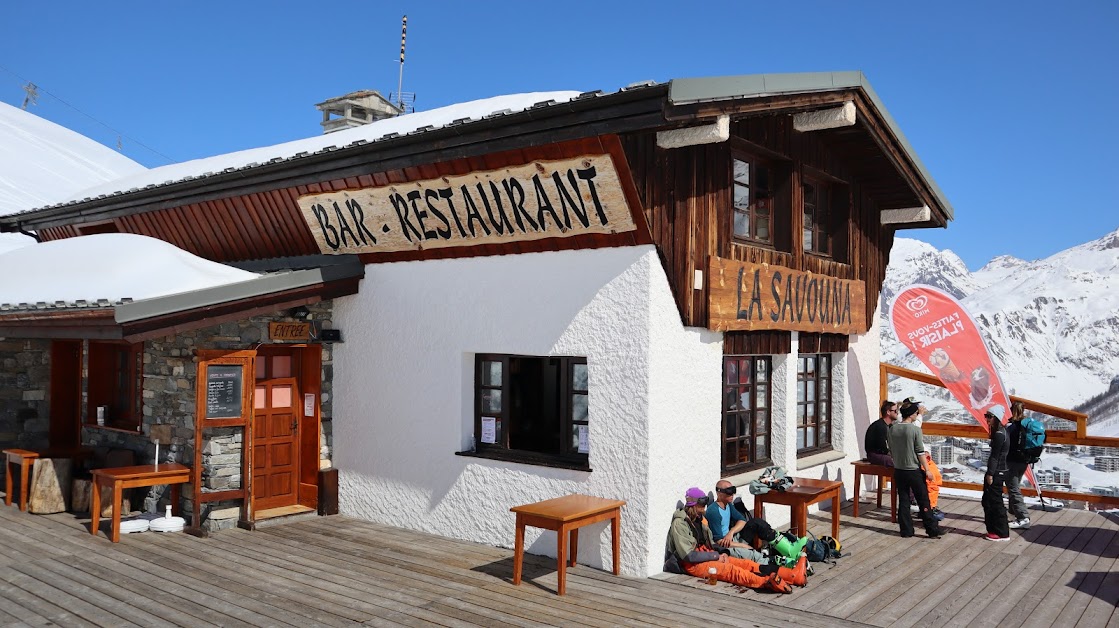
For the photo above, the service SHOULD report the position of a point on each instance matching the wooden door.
(276, 412)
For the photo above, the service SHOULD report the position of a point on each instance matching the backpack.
(817, 551)
(1033, 439)
(771, 479)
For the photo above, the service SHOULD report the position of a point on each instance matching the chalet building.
(500, 302)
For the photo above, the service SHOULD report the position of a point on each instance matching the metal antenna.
(32, 90)
(400, 82)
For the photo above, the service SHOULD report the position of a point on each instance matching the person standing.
(906, 447)
(994, 511)
(1016, 463)
(875, 441)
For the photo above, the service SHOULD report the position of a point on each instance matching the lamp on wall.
(300, 312)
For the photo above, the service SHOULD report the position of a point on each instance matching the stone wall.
(169, 374)
(24, 398)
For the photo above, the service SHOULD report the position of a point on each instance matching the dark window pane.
(579, 376)
(578, 407)
(491, 373)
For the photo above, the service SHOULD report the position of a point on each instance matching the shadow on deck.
(338, 571)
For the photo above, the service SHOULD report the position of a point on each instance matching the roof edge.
(699, 90)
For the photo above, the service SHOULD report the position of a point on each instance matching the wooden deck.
(338, 571)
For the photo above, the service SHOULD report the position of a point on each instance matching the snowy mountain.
(1052, 325)
(42, 163)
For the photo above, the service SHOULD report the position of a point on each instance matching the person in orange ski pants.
(690, 549)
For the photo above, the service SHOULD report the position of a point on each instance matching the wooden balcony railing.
(1079, 436)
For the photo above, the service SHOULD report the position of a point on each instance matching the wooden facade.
(686, 193)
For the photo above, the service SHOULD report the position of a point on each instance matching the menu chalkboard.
(223, 391)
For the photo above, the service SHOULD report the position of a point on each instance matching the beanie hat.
(908, 410)
(695, 495)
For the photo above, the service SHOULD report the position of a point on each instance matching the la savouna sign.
(748, 296)
(534, 201)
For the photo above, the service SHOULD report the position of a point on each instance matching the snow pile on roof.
(9, 241)
(42, 163)
(401, 125)
(112, 266)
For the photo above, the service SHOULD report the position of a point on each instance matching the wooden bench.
(20, 459)
(884, 474)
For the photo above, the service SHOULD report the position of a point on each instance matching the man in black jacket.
(875, 442)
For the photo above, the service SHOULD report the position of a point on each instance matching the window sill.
(744, 478)
(818, 459)
(110, 428)
(540, 460)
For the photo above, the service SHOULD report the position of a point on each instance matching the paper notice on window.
(489, 430)
(584, 442)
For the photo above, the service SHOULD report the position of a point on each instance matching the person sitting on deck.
(690, 549)
(734, 529)
(875, 442)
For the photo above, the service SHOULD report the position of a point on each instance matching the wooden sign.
(746, 296)
(542, 199)
(280, 332)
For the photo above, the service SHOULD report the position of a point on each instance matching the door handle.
(294, 424)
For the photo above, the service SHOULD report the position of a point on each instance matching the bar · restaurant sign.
(543, 199)
(750, 297)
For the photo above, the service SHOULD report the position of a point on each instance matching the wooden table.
(803, 493)
(120, 478)
(564, 515)
(20, 459)
(884, 473)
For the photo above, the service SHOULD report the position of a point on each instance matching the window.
(115, 382)
(537, 406)
(753, 200)
(813, 403)
(817, 217)
(746, 418)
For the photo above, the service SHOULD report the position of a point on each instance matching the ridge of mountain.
(1052, 324)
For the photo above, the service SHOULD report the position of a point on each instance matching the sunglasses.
(730, 490)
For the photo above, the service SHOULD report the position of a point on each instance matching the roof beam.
(833, 118)
(715, 133)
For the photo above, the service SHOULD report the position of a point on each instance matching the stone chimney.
(355, 109)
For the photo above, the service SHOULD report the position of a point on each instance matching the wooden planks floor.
(338, 571)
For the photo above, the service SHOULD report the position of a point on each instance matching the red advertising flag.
(941, 333)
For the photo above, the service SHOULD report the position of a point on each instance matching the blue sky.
(1011, 106)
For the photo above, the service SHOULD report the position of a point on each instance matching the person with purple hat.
(690, 549)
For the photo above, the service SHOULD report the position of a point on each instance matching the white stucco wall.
(404, 386)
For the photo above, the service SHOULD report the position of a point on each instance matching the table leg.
(858, 490)
(518, 550)
(94, 505)
(114, 532)
(8, 482)
(879, 491)
(802, 519)
(561, 558)
(574, 547)
(616, 533)
(23, 488)
(759, 508)
(835, 515)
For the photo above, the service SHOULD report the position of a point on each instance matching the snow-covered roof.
(42, 163)
(389, 128)
(108, 268)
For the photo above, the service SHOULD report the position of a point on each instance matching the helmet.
(833, 544)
